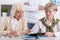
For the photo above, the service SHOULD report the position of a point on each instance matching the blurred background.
(8, 4)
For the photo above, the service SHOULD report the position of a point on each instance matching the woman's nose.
(48, 13)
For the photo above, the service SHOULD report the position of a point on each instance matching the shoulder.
(58, 20)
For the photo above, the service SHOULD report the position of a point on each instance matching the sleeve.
(24, 23)
(24, 26)
(5, 29)
(8, 24)
(57, 34)
(35, 28)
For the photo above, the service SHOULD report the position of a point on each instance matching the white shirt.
(32, 12)
(14, 23)
(39, 25)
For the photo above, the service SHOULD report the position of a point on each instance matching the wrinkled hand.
(49, 34)
(28, 31)
(13, 33)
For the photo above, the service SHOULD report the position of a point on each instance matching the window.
(8, 7)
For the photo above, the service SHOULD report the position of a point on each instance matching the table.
(20, 38)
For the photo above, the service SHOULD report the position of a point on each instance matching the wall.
(57, 14)
(8, 2)
(11, 1)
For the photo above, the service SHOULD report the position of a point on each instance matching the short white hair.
(16, 6)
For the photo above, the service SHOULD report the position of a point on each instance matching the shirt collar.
(46, 18)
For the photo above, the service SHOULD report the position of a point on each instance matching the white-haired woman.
(16, 22)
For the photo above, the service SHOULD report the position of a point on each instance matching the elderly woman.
(48, 25)
(16, 23)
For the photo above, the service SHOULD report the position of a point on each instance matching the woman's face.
(50, 14)
(18, 14)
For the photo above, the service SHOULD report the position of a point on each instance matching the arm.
(35, 28)
(4, 28)
(23, 26)
(57, 34)
(24, 23)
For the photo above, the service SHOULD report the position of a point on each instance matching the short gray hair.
(16, 6)
(50, 6)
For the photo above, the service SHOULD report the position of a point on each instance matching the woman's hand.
(13, 33)
(27, 31)
(49, 34)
